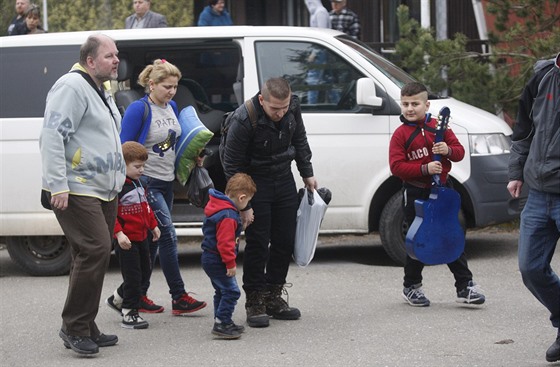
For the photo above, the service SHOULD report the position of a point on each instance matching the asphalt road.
(352, 315)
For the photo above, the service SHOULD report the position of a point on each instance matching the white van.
(350, 102)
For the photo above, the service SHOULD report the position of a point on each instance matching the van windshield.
(398, 76)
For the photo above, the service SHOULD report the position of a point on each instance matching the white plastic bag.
(309, 216)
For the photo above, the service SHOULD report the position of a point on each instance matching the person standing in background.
(33, 20)
(344, 19)
(17, 26)
(318, 15)
(215, 14)
(83, 172)
(143, 17)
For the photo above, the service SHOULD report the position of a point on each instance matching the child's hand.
(123, 241)
(435, 168)
(155, 234)
(441, 148)
(231, 272)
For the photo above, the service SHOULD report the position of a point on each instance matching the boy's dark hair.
(412, 89)
(134, 151)
(212, 2)
(240, 183)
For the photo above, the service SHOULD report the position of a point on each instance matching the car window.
(322, 79)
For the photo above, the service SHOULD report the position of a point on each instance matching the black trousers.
(270, 239)
(413, 268)
(136, 270)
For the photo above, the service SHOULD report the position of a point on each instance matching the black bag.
(198, 185)
(46, 199)
(227, 121)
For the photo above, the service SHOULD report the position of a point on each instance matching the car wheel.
(40, 255)
(392, 229)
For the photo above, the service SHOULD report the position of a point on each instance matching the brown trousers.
(88, 225)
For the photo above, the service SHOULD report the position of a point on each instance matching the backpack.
(226, 122)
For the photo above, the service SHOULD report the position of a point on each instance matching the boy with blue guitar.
(422, 162)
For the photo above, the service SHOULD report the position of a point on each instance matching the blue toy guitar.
(436, 236)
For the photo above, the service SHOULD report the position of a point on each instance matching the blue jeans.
(160, 198)
(227, 291)
(538, 235)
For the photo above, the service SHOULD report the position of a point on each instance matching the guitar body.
(436, 236)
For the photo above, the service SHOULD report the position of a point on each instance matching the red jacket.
(411, 164)
(135, 217)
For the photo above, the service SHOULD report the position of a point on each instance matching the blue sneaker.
(414, 295)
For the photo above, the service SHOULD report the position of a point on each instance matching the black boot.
(277, 307)
(256, 310)
(553, 352)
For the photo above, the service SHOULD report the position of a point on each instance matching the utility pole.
(441, 34)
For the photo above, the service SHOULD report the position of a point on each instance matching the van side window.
(28, 73)
(322, 79)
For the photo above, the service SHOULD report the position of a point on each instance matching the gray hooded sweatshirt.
(318, 14)
(80, 144)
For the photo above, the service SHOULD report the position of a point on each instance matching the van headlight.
(489, 144)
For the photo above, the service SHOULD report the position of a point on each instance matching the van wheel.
(392, 229)
(40, 255)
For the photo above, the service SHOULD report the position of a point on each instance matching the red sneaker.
(187, 304)
(148, 306)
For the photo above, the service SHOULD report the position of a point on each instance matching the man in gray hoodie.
(535, 160)
(83, 171)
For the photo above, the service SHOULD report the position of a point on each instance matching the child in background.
(222, 228)
(411, 159)
(134, 219)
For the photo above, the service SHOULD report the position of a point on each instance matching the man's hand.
(60, 201)
(247, 218)
(514, 187)
(310, 182)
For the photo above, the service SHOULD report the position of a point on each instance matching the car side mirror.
(365, 94)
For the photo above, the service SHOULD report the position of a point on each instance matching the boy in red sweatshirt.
(134, 219)
(411, 159)
(222, 228)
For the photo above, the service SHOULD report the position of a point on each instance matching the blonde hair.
(157, 72)
(240, 183)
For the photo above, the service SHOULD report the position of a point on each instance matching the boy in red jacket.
(134, 219)
(222, 228)
(411, 153)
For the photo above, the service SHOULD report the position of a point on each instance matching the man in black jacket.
(535, 159)
(265, 150)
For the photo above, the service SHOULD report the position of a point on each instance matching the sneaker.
(277, 307)
(226, 331)
(101, 340)
(186, 304)
(414, 295)
(256, 310)
(148, 306)
(471, 295)
(239, 328)
(133, 321)
(114, 303)
(79, 344)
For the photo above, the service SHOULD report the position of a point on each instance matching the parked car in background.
(350, 110)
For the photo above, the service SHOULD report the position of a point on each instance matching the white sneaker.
(134, 321)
